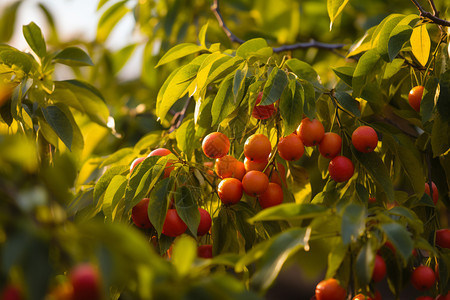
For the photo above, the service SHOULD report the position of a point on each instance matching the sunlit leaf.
(421, 44)
(73, 56)
(179, 51)
(35, 39)
(335, 8)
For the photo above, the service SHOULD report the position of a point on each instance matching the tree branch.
(432, 17)
(312, 44)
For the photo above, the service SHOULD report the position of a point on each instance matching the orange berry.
(415, 97)
(139, 214)
(225, 166)
(310, 132)
(341, 169)
(330, 289)
(239, 170)
(291, 147)
(272, 196)
(163, 152)
(365, 139)
(263, 112)
(230, 190)
(216, 145)
(435, 191)
(257, 147)
(330, 146)
(277, 176)
(251, 165)
(255, 183)
(135, 162)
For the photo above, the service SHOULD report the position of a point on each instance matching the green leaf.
(121, 57)
(8, 20)
(253, 47)
(73, 56)
(397, 38)
(335, 259)
(377, 170)
(118, 156)
(114, 192)
(427, 103)
(35, 39)
(291, 106)
(400, 238)
(185, 136)
(443, 102)
(365, 264)
(223, 104)
(309, 104)
(158, 204)
(440, 140)
(421, 44)
(362, 192)
(202, 35)
(184, 254)
(274, 87)
(239, 81)
(335, 8)
(179, 51)
(103, 182)
(366, 66)
(224, 233)
(187, 208)
(348, 103)
(353, 222)
(220, 70)
(110, 18)
(59, 123)
(17, 59)
(290, 211)
(304, 71)
(281, 247)
(345, 73)
(382, 38)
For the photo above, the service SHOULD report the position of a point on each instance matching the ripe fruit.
(263, 112)
(204, 251)
(365, 139)
(135, 163)
(63, 291)
(277, 176)
(205, 222)
(330, 146)
(424, 298)
(257, 147)
(251, 165)
(139, 214)
(225, 166)
(363, 297)
(423, 278)
(230, 190)
(11, 292)
(443, 297)
(330, 289)
(86, 282)
(173, 225)
(443, 238)
(435, 191)
(379, 269)
(390, 246)
(310, 132)
(255, 183)
(239, 170)
(415, 97)
(372, 200)
(215, 145)
(163, 152)
(341, 169)
(291, 147)
(272, 196)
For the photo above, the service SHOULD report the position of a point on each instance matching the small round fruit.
(277, 175)
(139, 214)
(63, 291)
(379, 269)
(362, 297)
(230, 190)
(205, 222)
(216, 145)
(443, 238)
(11, 292)
(330, 289)
(423, 278)
(435, 191)
(163, 152)
(173, 225)
(135, 163)
(390, 246)
(372, 200)
(443, 297)
(257, 147)
(272, 196)
(415, 97)
(255, 183)
(251, 165)
(341, 169)
(263, 112)
(330, 146)
(225, 166)
(85, 282)
(291, 147)
(365, 139)
(204, 251)
(239, 170)
(310, 132)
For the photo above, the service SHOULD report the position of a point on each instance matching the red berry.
(423, 278)
(173, 225)
(86, 283)
(139, 214)
(364, 139)
(443, 238)
(263, 112)
(341, 169)
(379, 270)
(205, 222)
(11, 292)
(415, 97)
(135, 163)
(204, 251)
(435, 191)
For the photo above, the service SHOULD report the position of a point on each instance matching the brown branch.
(433, 7)
(312, 44)
(179, 116)
(432, 17)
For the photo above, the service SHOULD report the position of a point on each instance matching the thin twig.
(433, 7)
(179, 116)
(433, 18)
(312, 44)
